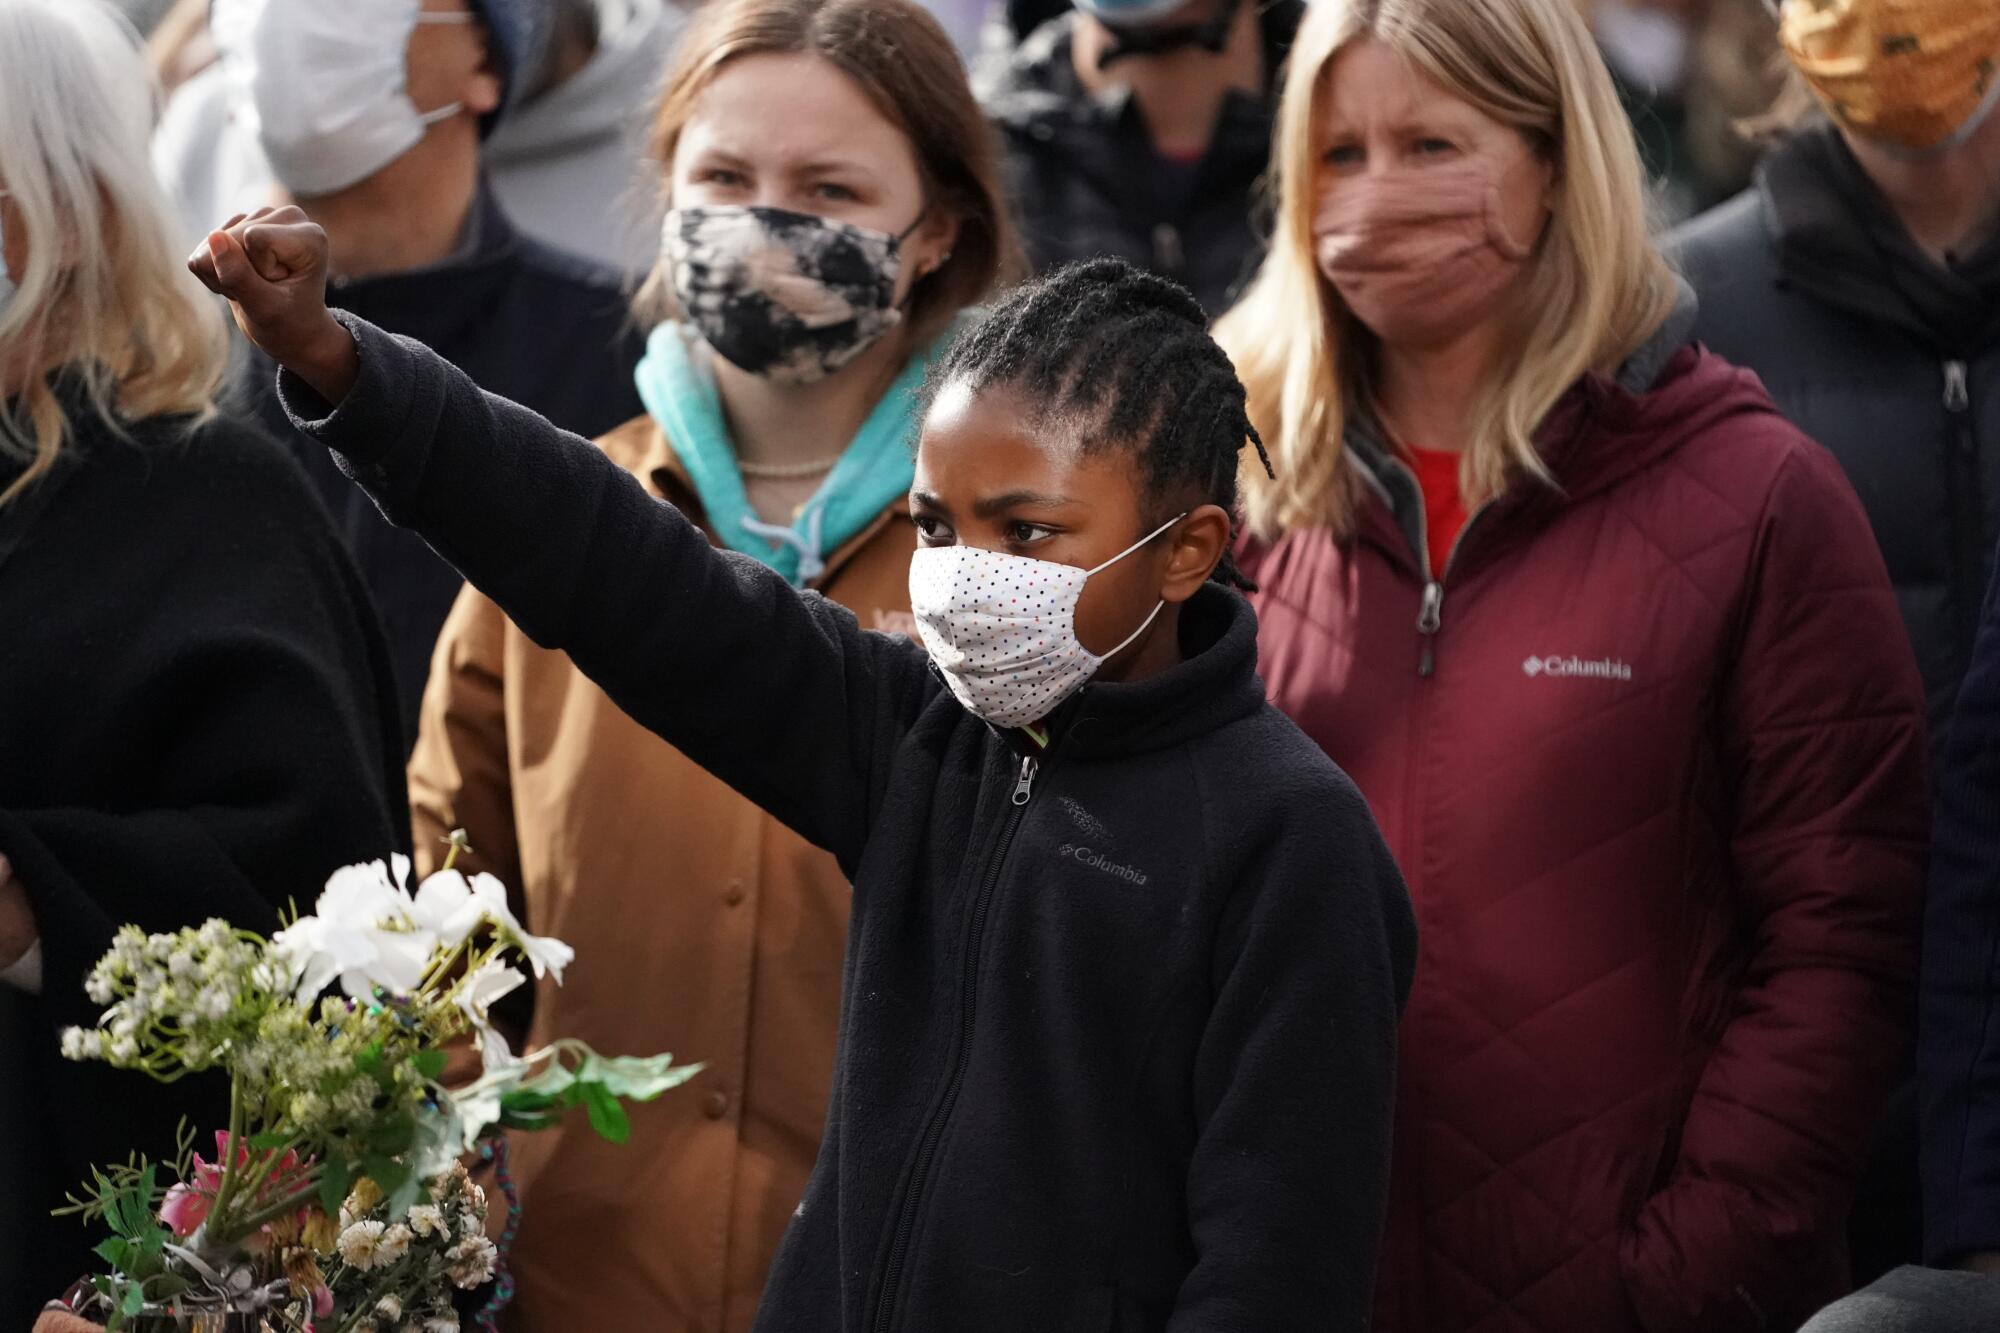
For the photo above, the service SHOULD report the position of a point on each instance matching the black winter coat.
(541, 327)
(1887, 358)
(1119, 1016)
(1958, 1049)
(1086, 180)
(196, 720)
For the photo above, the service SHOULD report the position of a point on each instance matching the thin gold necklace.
(785, 471)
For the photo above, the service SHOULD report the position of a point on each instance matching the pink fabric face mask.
(1418, 256)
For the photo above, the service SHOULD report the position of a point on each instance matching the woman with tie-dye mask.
(833, 213)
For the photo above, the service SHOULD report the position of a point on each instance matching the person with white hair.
(196, 706)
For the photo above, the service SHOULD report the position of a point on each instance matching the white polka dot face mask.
(1002, 628)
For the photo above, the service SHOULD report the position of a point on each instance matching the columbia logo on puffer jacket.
(1576, 668)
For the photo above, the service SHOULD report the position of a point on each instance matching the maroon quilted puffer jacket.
(1651, 754)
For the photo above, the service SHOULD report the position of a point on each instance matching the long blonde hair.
(104, 298)
(1594, 291)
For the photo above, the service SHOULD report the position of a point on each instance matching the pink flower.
(187, 1204)
(185, 1210)
(322, 1302)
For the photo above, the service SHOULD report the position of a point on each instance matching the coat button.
(733, 895)
(717, 1105)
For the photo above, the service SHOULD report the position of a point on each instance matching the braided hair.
(1122, 359)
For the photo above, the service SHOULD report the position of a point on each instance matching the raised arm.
(779, 693)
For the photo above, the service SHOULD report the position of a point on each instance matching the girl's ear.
(1199, 544)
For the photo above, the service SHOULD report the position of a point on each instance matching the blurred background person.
(836, 210)
(1607, 645)
(1140, 129)
(196, 711)
(1860, 279)
(567, 160)
(371, 116)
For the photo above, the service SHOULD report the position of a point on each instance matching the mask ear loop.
(1141, 542)
(450, 109)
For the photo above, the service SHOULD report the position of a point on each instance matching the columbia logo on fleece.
(1098, 861)
(1576, 668)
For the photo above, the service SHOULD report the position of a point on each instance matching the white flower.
(472, 1261)
(492, 980)
(98, 985)
(389, 1308)
(181, 963)
(395, 1244)
(122, 1050)
(364, 1325)
(546, 953)
(427, 1219)
(213, 1004)
(78, 1044)
(441, 1323)
(360, 1243)
(445, 905)
(362, 932)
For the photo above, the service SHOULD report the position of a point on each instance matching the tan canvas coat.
(701, 927)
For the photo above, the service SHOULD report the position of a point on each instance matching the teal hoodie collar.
(875, 469)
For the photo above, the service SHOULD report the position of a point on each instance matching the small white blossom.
(441, 1323)
(123, 1050)
(359, 1244)
(394, 1245)
(389, 1308)
(427, 1219)
(98, 986)
(213, 1004)
(181, 964)
(78, 1044)
(471, 1262)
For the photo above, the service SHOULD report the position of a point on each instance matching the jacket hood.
(617, 87)
(1605, 429)
(1838, 239)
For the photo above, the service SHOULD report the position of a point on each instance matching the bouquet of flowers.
(337, 1200)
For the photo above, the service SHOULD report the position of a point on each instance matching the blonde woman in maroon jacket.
(1608, 646)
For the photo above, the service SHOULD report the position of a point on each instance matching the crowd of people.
(1235, 664)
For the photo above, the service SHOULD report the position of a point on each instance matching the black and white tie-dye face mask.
(790, 296)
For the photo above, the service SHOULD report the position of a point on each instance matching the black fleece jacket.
(1119, 1025)
(197, 718)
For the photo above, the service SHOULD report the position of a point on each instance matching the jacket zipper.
(1430, 612)
(907, 1207)
(1968, 590)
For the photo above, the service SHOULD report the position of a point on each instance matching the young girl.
(794, 128)
(1126, 953)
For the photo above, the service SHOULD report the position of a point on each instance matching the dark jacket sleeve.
(779, 693)
(1958, 1053)
(1295, 1079)
(1822, 734)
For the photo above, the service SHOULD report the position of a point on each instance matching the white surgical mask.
(1002, 628)
(327, 83)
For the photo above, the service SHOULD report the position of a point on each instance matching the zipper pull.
(1957, 390)
(1429, 621)
(1168, 255)
(1024, 786)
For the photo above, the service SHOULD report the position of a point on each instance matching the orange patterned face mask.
(1920, 74)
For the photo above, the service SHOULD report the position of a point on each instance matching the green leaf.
(607, 1117)
(406, 1194)
(387, 1172)
(429, 1063)
(135, 1301)
(271, 1142)
(369, 1060)
(392, 1136)
(635, 1078)
(335, 1180)
(167, 1286)
(112, 1251)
